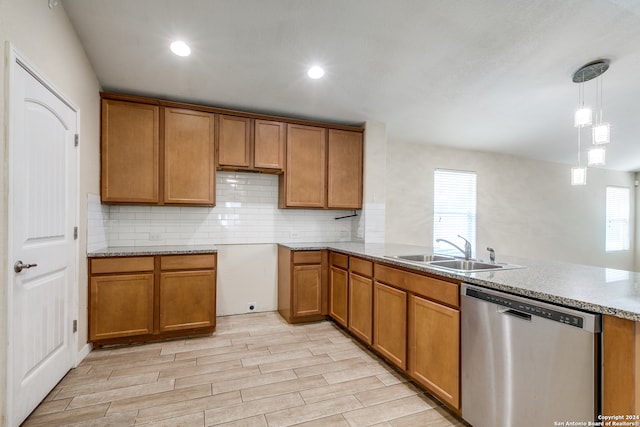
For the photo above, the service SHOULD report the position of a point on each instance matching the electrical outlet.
(294, 234)
(251, 306)
(155, 236)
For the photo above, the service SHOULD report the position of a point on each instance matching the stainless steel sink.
(423, 258)
(466, 265)
(450, 263)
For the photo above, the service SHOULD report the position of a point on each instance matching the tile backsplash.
(97, 216)
(246, 211)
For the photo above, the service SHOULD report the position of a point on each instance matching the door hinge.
(75, 326)
(76, 140)
(75, 233)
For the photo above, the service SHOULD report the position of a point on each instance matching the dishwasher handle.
(515, 313)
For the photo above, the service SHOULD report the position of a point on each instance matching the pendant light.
(583, 117)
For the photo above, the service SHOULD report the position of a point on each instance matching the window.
(617, 233)
(454, 210)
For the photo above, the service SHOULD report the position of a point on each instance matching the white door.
(42, 216)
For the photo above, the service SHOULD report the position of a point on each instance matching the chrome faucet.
(492, 255)
(467, 246)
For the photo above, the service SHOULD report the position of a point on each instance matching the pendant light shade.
(595, 156)
(583, 117)
(601, 133)
(579, 176)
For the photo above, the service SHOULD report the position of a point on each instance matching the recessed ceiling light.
(315, 72)
(180, 48)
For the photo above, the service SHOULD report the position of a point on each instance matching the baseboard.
(84, 352)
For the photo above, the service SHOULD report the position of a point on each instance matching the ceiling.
(491, 75)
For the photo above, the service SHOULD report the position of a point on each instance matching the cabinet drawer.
(307, 257)
(361, 267)
(186, 262)
(121, 264)
(339, 260)
(435, 289)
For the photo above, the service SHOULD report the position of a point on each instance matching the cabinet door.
(305, 176)
(344, 170)
(234, 141)
(268, 151)
(187, 300)
(121, 306)
(189, 169)
(361, 307)
(390, 324)
(338, 295)
(129, 152)
(434, 348)
(307, 290)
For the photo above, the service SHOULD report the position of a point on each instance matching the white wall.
(524, 207)
(247, 274)
(45, 37)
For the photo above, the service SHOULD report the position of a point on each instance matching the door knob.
(19, 266)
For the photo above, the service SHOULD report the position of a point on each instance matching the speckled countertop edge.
(152, 250)
(533, 281)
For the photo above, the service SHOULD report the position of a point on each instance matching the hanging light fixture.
(579, 173)
(584, 117)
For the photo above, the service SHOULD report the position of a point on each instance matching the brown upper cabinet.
(304, 181)
(246, 144)
(324, 169)
(149, 163)
(344, 173)
(160, 152)
(269, 145)
(189, 170)
(130, 152)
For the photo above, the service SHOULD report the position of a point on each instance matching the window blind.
(454, 210)
(617, 221)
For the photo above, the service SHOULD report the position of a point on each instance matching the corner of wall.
(371, 226)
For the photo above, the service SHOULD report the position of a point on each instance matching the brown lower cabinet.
(410, 319)
(434, 348)
(339, 288)
(390, 323)
(621, 365)
(302, 285)
(361, 299)
(135, 299)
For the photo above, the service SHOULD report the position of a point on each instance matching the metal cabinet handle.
(19, 266)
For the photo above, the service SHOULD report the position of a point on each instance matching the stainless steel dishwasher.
(527, 363)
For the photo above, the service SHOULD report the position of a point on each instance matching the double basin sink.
(454, 264)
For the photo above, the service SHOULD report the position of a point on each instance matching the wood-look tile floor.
(255, 370)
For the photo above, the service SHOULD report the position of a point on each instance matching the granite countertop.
(152, 250)
(595, 289)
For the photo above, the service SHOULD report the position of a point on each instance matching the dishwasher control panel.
(527, 308)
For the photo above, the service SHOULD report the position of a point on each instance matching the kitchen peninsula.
(612, 293)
